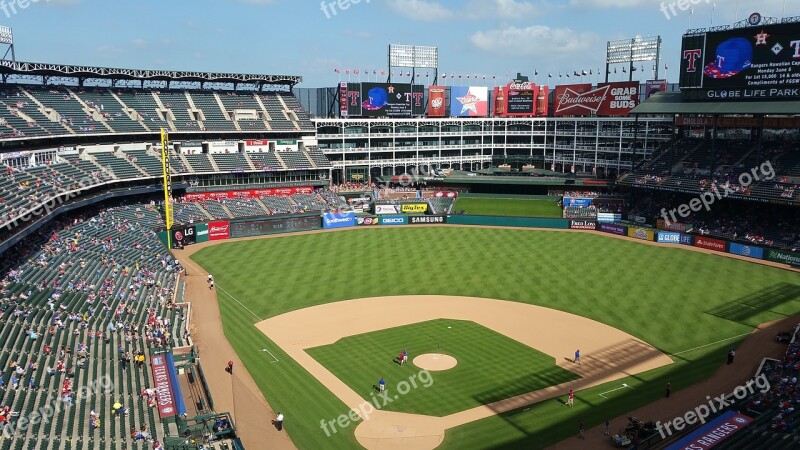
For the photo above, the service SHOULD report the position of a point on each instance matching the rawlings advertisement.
(247, 193)
(437, 105)
(607, 99)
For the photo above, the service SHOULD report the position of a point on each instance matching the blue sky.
(296, 37)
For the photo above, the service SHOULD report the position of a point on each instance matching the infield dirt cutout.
(434, 362)
(608, 354)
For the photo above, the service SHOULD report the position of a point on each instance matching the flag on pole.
(336, 70)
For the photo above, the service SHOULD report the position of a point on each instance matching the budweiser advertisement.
(437, 105)
(607, 99)
(247, 193)
(218, 231)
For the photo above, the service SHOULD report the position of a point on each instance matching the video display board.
(381, 100)
(744, 64)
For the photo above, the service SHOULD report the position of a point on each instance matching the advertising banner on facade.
(662, 224)
(247, 193)
(182, 237)
(641, 233)
(671, 237)
(607, 99)
(469, 101)
(791, 258)
(394, 220)
(386, 209)
(582, 225)
(437, 101)
(366, 221)
(410, 208)
(423, 220)
(201, 232)
(163, 386)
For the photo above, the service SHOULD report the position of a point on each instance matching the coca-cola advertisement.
(437, 106)
(521, 99)
(607, 99)
(218, 231)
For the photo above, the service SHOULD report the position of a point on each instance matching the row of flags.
(581, 73)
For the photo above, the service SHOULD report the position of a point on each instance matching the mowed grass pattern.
(660, 295)
(508, 207)
(487, 362)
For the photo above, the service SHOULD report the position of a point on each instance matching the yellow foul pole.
(167, 173)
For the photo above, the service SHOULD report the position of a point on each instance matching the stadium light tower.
(7, 39)
(414, 57)
(629, 51)
(167, 173)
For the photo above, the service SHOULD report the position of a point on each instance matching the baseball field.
(528, 298)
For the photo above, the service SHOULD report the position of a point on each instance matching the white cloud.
(504, 9)
(420, 9)
(609, 3)
(536, 40)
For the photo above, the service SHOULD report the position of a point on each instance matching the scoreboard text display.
(381, 99)
(754, 63)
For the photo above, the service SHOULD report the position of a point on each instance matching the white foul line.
(240, 303)
(624, 385)
(721, 340)
(270, 354)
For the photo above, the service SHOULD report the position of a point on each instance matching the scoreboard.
(744, 64)
(381, 100)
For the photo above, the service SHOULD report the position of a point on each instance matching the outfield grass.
(674, 299)
(508, 207)
(487, 362)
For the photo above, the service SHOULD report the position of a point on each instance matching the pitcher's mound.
(435, 361)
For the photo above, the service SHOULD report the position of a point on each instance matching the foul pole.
(167, 174)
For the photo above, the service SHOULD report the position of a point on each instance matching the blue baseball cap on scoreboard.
(733, 56)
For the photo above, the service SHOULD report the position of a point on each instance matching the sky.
(311, 39)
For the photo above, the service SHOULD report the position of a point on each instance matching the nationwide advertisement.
(793, 259)
(247, 193)
(410, 208)
(163, 386)
(662, 224)
(671, 237)
(709, 244)
(757, 63)
(469, 101)
(366, 221)
(582, 225)
(437, 101)
(394, 220)
(641, 233)
(338, 220)
(219, 230)
(746, 250)
(423, 220)
(386, 209)
(613, 228)
(607, 99)
(258, 143)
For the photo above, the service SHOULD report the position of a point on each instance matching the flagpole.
(713, 8)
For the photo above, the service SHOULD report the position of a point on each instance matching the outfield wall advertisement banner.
(219, 230)
(247, 193)
(201, 232)
(183, 236)
(613, 229)
(793, 259)
(671, 237)
(163, 386)
(386, 209)
(641, 233)
(341, 220)
(709, 244)
(582, 225)
(746, 250)
(394, 220)
(413, 208)
(366, 221)
(423, 220)
(274, 225)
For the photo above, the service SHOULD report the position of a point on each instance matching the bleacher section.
(104, 103)
(277, 113)
(214, 120)
(177, 102)
(200, 163)
(295, 160)
(69, 109)
(245, 208)
(79, 280)
(121, 168)
(228, 162)
(266, 161)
